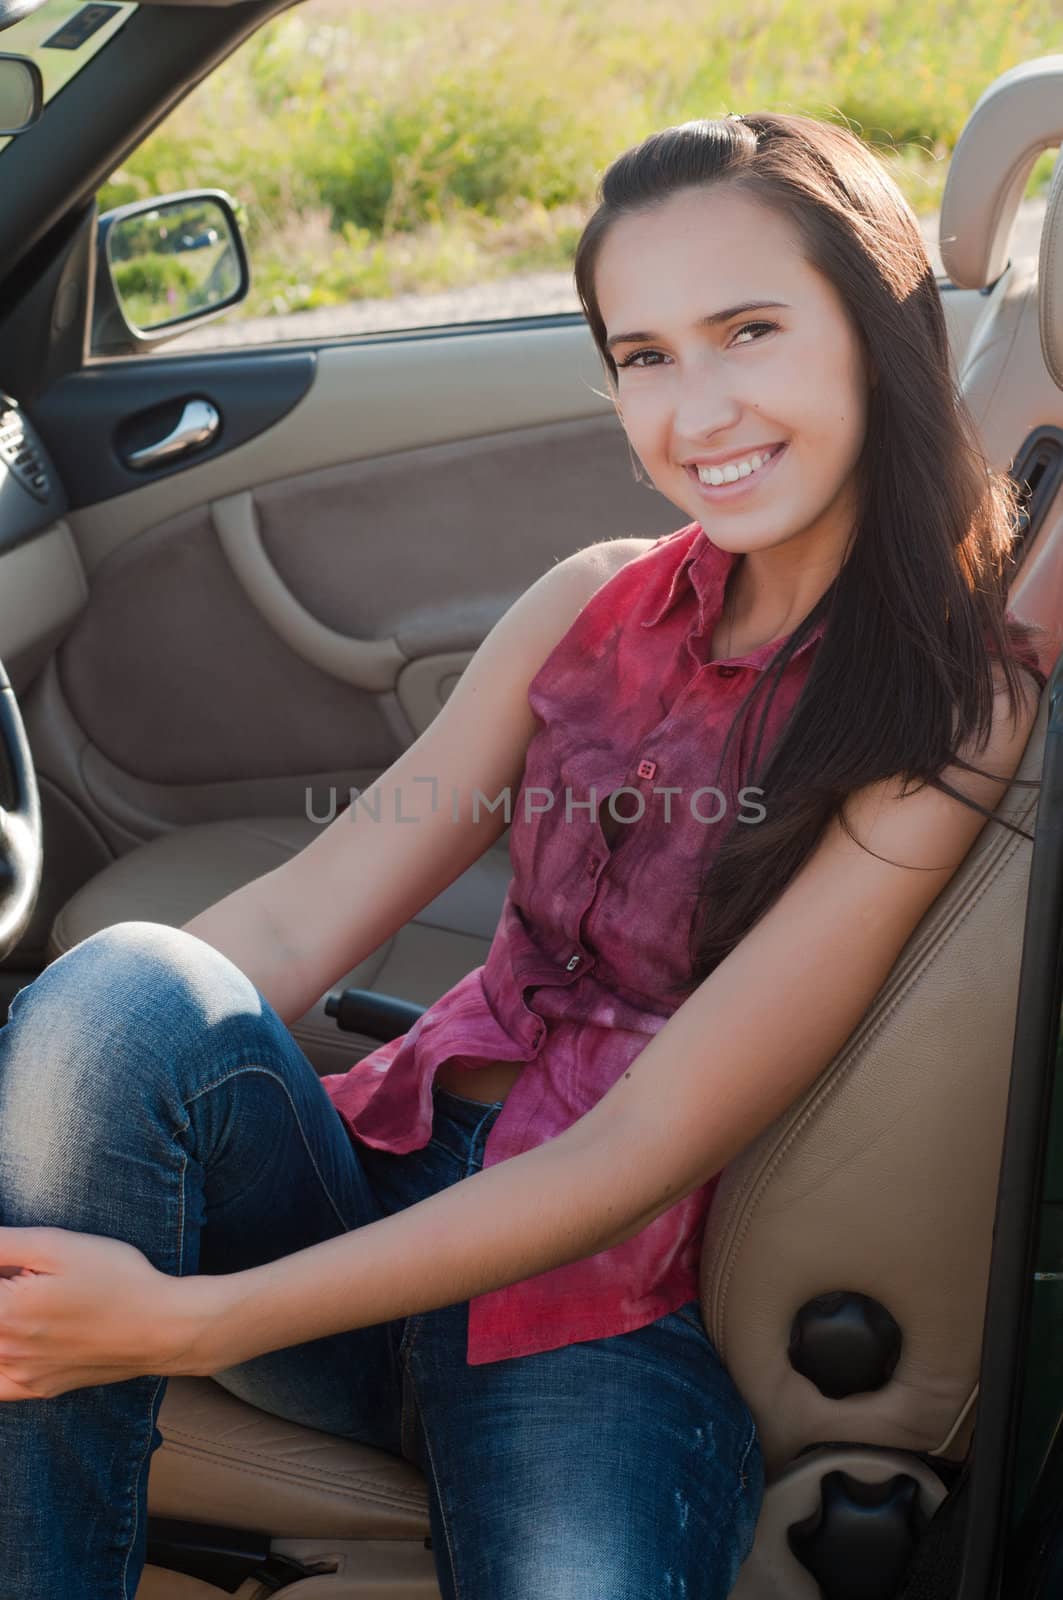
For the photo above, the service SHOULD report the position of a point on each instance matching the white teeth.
(734, 469)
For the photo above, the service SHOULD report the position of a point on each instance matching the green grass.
(406, 146)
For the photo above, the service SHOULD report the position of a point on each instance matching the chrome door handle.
(198, 425)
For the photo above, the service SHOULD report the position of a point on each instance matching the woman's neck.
(768, 594)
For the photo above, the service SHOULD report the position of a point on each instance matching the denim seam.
(270, 1072)
(407, 1407)
(743, 1485)
(181, 1212)
(473, 1140)
(410, 1333)
(442, 1510)
(446, 1149)
(140, 1468)
(464, 1155)
(750, 1441)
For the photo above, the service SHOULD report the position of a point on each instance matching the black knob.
(845, 1343)
(859, 1542)
(381, 1016)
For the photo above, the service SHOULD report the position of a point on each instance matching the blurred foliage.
(154, 275)
(160, 231)
(413, 145)
(153, 288)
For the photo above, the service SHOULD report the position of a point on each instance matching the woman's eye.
(629, 361)
(747, 325)
(636, 358)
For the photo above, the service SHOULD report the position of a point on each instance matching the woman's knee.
(135, 992)
(137, 956)
(107, 1045)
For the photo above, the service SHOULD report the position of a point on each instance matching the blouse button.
(727, 672)
(592, 862)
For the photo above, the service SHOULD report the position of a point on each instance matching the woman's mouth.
(716, 492)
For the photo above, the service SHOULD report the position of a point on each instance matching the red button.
(646, 769)
(727, 672)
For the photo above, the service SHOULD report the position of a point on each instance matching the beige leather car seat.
(868, 1206)
(176, 875)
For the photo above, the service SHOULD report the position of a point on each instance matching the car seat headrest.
(1013, 121)
(1050, 278)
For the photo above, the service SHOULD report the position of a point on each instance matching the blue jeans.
(149, 1092)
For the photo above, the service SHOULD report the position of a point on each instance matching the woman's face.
(694, 392)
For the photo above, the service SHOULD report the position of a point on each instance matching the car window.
(61, 37)
(416, 163)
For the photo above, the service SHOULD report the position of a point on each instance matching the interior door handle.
(198, 426)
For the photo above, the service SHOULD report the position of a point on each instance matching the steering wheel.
(21, 839)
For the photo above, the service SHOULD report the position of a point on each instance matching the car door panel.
(91, 420)
(270, 623)
(269, 626)
(42, 590)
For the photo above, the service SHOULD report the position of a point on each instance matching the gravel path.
(523, 295)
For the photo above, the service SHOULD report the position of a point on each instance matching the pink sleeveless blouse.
(590, 937)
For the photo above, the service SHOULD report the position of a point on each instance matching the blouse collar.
(703, 571)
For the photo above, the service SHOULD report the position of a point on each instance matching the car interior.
(209, 658)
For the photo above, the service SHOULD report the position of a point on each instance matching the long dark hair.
(904, 670)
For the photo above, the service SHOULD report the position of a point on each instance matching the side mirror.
(21, 94)
(163, 265)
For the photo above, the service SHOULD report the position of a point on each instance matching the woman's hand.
(78, 1309)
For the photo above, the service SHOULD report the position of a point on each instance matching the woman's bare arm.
(296, 929)
(743, 1046)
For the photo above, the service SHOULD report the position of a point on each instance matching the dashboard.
(42, 578)
(31, 495)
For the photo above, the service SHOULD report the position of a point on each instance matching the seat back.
(881, 1182)
(877, 1189)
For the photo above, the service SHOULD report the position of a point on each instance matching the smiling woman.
(707, 395)
(874, 509)
(508, 1293)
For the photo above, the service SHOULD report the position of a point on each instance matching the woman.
(181, 1194)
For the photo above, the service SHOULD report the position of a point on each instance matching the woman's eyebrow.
(704, 322)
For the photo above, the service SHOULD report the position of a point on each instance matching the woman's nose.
(705, 404)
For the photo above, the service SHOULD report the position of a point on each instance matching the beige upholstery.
(881, 1180)
(270, 1473)
(171, 878)
(1050, 272)
(1018, 116)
